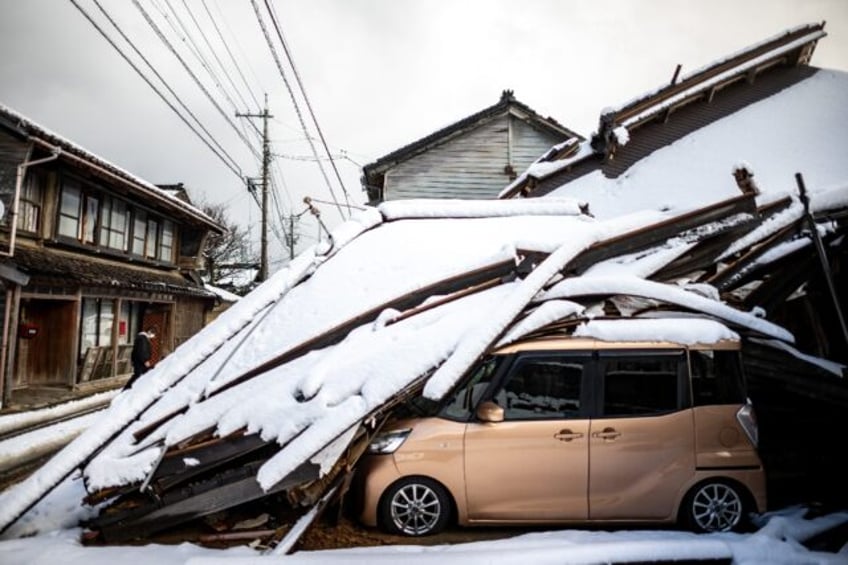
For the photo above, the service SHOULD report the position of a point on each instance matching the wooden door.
(45, 340)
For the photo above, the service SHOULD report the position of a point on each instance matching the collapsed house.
(278, 398)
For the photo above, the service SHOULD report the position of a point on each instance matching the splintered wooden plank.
(223, 491)
(703, 256)
(731, 276)
(285, 546)
(180, 466)
(784, 278)
(685, 226)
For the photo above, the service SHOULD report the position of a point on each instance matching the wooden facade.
(474, 158)
(89, 256)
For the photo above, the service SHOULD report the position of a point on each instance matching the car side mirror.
(488, 411)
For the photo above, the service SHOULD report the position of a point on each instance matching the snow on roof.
(224, 295)
(722, 76)
(801, 129)
(672, 330)
(669, 294)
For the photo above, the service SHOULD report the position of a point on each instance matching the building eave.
(68, 151)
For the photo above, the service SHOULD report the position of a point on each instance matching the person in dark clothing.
(141, 353)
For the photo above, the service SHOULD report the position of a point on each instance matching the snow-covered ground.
(17, 420)
(778, 541)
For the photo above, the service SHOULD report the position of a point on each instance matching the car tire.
(715, 506)
(415, 506)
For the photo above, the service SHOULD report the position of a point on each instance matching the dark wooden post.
(822, 253)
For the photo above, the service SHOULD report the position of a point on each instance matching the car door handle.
(608, 433)
(567, 435)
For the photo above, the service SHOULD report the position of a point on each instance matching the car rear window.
(716, 377)
(640, 384)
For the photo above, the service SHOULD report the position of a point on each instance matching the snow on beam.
(434, 208)
(499, 267)
(728, 215)
(480, 339)
(600, 286)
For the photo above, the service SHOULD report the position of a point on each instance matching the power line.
(230, 53)
(294, 101)
(245, 57)
(188, 40)
(282, 181)
(305, 97)
(164, 82)
(206, 65)
(231, 164)
(215, 55)
(193, 76)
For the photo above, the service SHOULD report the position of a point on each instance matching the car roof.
(672, 332)
(569, 343)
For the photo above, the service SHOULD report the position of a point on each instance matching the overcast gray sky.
(379, 74)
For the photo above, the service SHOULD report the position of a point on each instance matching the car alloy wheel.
(715, 507)
(416, 507)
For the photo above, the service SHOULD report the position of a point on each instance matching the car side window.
(642, 384)
(716, 377)
(467, 396)
(540, 388)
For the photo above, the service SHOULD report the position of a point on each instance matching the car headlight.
(388, 442)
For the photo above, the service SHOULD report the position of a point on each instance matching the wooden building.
(473, 158)
(89, 255)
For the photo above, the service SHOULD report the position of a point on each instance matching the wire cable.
(162, 80)
(194, 77)
(294, 101)
(305, 97)
(215, 55)
(231, 163)
(230, 53)
(174, 21)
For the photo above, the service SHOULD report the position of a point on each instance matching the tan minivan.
(575, 430)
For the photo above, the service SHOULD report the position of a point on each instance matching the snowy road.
(20, 447)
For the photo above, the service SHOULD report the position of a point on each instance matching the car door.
(642, 441)
(534, 464)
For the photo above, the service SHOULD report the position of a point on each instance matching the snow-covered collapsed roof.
(314, 350)
(678, 146)
(798, 130)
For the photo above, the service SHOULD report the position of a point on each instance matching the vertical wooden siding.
(471, 165)
(189, 318)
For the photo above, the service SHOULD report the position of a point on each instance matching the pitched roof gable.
(507, 104)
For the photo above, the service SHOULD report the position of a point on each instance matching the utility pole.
(266, 164)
